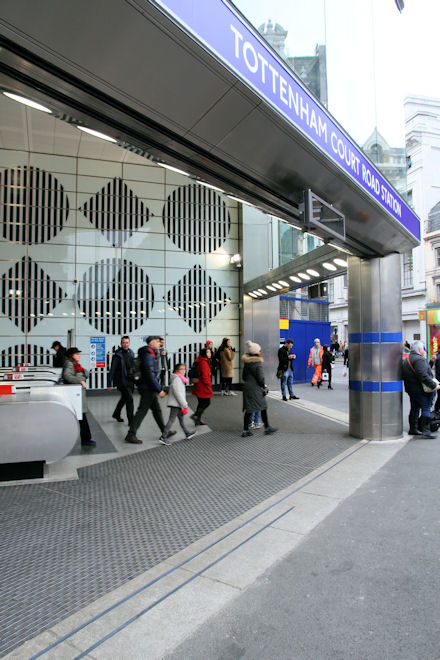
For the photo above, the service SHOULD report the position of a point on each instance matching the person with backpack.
(150, 389)
(177, 403)
(121, 375)
(203, 387)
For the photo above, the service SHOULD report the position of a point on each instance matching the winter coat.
(75, 378)
(423, 374)
(327, 361)
(149, 365)
(59, 357)
(203, 389)
(253, 383)
(118, 371)
(226, 367)
(283, 359)
(177, 393)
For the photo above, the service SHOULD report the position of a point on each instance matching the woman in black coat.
(327, 361)
(254, 389)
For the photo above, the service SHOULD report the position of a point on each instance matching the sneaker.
(224, 393)
(134, 440)
(231, 393)
(88, 443)
(170, 433)
(190, 435)
(164, 441)
(118, 418)
(269, 430)
(252, 426)
(200, 423)
(294, 397)
(259, 425)
(246, 434)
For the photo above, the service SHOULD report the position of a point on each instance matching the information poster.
(97, 352)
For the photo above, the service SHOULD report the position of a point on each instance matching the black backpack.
(193, 373)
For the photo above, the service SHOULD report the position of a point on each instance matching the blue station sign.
(223, 32)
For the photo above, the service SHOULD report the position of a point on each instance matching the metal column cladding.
(375, 347)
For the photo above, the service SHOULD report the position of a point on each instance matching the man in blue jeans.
(285, 365)
(415, 371)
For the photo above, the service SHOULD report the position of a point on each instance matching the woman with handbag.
(75, 374)
(421, 387)
(254, 389)
(203, 387)
(327, 366)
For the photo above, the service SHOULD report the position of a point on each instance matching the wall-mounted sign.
(97, 352)
(223, 32)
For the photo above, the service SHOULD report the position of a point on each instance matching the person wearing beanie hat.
(254, 388)
(315, 361)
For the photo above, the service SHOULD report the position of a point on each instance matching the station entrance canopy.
(190, 83)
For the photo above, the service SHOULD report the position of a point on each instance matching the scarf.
(78, 368)
(184, 380)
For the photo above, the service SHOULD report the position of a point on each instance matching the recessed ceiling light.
(329, 266)
(340, 262)
(304, 276)
(276, 285)
(173, 169)
(209, 185)
(97, 134)
(294, 278)
(271, 288)
(252, 295)
(313, 273)
(25, 101)
(338, 247)
(257, 293)
(283, 282)
(262, 291)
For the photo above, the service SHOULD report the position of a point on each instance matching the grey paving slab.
(363, 584)
(66, 544)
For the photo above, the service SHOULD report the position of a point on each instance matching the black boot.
(413, 422)
(425, 424)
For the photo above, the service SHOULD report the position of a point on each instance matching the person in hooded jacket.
(415, 371)
(121, 376)
(203, 388)
(177, 403)
(254, 389)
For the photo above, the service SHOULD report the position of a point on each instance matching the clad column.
(375, 347)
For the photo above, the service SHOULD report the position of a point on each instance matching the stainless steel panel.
(392, 426)
(370, 362)
(391, 294)
(355, 361)
(354, 295)
(391, 361)
(266, 332)
(370, 295)
(355, 407)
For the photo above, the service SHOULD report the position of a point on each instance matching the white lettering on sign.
(259, 67)
(345, 153)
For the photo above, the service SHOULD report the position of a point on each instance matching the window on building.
(437, 288)
(437, 257)
(409, 197)
(331, 290)
(407, 269)
(345, 280)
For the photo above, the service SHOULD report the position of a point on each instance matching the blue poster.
(97, 352)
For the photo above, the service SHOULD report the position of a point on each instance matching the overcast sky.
(375, 55)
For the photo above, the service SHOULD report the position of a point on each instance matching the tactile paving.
(66, 544)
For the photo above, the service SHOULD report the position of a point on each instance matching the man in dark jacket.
(150, 389)
(415, 371)
(60, 354)
(285, 365)
(121, 376)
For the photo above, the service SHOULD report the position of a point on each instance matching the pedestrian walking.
(203, 388)
(177, 404)
(164, 362)
(254, 389)
(417, 377)
(150, 389)
(327, 366)
(285, 369)
(214, 360)
(315, 361)
(75, 374)
(121, 376)
(60, 354)
(226, 357)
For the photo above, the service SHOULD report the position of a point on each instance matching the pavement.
(338, 559)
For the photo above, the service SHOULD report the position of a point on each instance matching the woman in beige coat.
(75, 374)
(227, 355)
